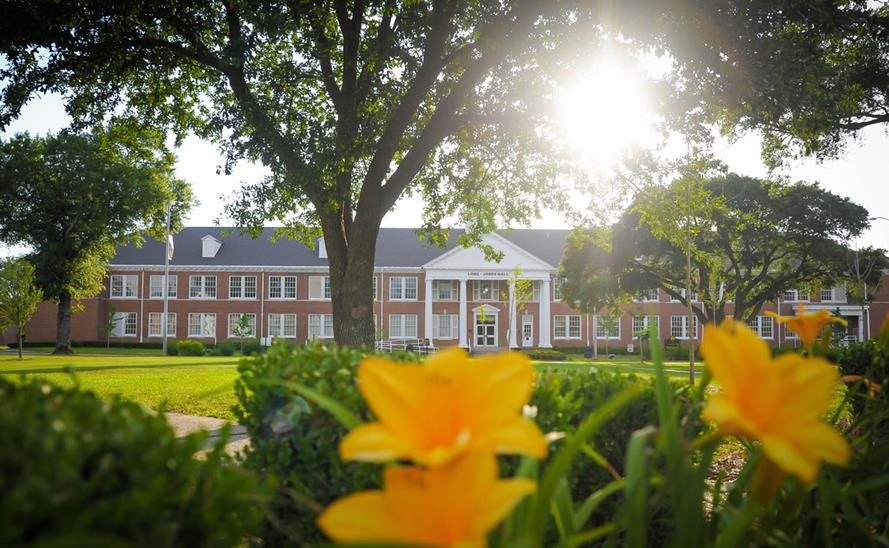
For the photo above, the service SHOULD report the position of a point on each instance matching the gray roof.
(396, 247)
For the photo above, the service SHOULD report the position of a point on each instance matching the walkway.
(188, 424)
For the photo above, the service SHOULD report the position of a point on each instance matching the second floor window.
(485, 290)
(403, 288)
(557, 288)
(156, 287)
(796, 296)
(833, 295)
(242, 287)
(202, 287)
(319, 287)
(443, 290)
(123, 286)
(282, 287)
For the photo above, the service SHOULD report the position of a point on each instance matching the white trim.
(246, 268)
(505, 244)
(494, 315)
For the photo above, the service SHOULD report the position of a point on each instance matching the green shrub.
(77, 471)
(173, 348)
(546, 354)
(250, 347)
(294, 440)
(869, 360)
(223, 349)
(191, 347)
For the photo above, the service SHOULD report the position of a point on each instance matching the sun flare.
(602, 113)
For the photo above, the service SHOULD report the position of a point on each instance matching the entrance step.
(481, 350)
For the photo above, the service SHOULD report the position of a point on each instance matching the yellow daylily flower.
(453, 505)
(780, 401)
(432, 413)
(807, 326)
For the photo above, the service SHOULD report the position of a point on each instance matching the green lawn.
(201, 385)
(191, 385)
(103, 351)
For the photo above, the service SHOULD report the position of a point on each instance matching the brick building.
(451, 296)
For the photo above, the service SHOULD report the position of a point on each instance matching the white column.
(512, 315)
(463, 326)
(427, 301)
(545, 296)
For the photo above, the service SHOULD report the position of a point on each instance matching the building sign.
(498, 274)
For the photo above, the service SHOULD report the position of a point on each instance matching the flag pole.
(166, 289)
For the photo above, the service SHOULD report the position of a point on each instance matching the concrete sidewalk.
(188, 424)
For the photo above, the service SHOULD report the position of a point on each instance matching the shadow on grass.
(115, 367)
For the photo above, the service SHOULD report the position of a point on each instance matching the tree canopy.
(73, 198)
(763, 238)
(19, 296)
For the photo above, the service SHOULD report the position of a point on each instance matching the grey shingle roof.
(396, 247)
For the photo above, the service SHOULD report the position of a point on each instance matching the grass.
(96, 350)
(191, 385)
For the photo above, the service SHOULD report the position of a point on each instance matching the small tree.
(19, 296)
(243, 329)
(111, 321)
(610, 322)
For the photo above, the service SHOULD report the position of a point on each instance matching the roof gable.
(474, 258)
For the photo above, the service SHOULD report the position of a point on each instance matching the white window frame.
(646, 295)
(129, 286)
(243, 294)
(439, 321)
(283, 287)
(563, 326)
(156, 286)
(202, 324)
(798, 296)
(126, 324)
(155, 319)
(237, 317)
(759, 323)
(203, 287)
(374, 287)
(557, 288)
(835, 295)
(320, 326)
(535, 291)
(322, 283)
(493, 287)
(278, 326)
(401, 332)
(399, 289)
(684, 327)
(438, 285)
(597, 320)
(694, 296)
(642, 321)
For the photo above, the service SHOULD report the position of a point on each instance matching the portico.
(492, 285)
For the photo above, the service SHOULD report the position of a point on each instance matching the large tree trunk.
(351, 284)
(63, 328)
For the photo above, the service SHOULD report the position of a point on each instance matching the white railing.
(419, 346)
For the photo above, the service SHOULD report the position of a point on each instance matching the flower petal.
(373, 442)
(519, 436)
(781, 451)
(502, 386)
(361, 517)
(825, 442)
(394, 392)
(504, 496)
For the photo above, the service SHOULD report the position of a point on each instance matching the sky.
(862, 173)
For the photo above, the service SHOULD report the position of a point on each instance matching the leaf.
(335, 408)
(635, 508)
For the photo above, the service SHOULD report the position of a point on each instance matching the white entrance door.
(486, 330)
(527, 331)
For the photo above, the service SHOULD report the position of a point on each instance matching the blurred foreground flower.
(807, 326)
(454, 505)
(780, 402)
(433, 413)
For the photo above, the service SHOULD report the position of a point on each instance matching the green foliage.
(546, 354)
(294, 440)
(173, 348)
(75, 470)
(19, 296)
(117, 182)
(188, 347)
(222, 349)
(250, 347)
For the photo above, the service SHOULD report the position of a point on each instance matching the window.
(535, 291)
(694, 296)
(649, 295)
(557, 288)
(762, 326)
(282, 326)
(282, 287)
(796, 296)
(402, 326)
(833, 295)
(320, 326)
(156, 287)
(242, 287)
(124, 324)
(679, 327)
(789, 335)
(607, 327)
(444, 290)
(123, 286)
(234, 321)
(444, 326)
(566, 327)
(319, 287)
(485, 290)
(403, 288)
(202, 287)
(202, 325)
(374, 287)
(641, 323)
(155, 329)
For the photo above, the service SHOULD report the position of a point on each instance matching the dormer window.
(322, 249)
(209, 247)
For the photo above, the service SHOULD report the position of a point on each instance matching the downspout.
(141, 305)
(261, 306)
